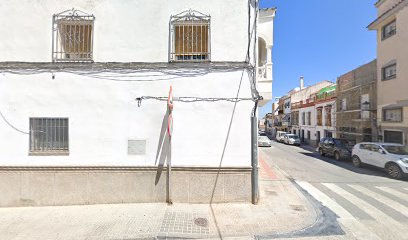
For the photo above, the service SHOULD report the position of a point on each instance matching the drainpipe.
(254, 155)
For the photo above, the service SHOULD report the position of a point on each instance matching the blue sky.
(320, 40)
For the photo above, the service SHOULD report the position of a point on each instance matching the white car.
(280, 135)
(263, 141)
(389, 156)
(291, 139)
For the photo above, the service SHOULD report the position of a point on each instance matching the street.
(368, 204)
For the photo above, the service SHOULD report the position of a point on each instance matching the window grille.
(389, 72)
(72, 38)
(389, 30)
(190, 38)
(49, 136)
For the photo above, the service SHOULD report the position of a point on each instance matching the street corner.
(269, 171)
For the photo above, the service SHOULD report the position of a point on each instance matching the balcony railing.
(262, 72)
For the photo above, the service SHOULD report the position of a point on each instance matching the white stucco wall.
(125, 30)
(312, 126)
(103, 115)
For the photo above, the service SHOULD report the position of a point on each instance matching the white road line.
(396, 228)
(325, 200)
(358, 229)
(394, 192)
(385, 200)
(346, 219)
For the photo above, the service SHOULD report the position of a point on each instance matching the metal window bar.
(72, 36)
(190, 37)
(49, 135)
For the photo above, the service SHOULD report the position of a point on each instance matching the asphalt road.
(367, 202)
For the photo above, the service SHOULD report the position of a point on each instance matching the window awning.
(399, 104)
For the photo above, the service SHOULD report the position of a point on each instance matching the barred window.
(190, 37)
(392, 115)
(49, 136)
(72, 37)
(389, 30)
(389, 72)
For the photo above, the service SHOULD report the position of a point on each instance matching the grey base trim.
(125, 168)
(53, 186)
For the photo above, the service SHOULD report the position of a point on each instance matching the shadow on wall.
(163, 148)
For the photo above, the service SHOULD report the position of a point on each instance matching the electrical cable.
(11, 125)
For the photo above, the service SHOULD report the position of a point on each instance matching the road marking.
(387, 201)
(266, 169)
(358, 229)
(394, 192)
(325, 200)
(397, 227)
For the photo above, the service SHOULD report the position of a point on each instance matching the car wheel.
(321, 152)
(356, 161)
(337, 156)
(394, 171)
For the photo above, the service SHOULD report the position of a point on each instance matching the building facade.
(85, 116)
(357, 104)
(325, 108)
(392, 70)
(302, 103)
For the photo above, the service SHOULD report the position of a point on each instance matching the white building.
(301, 98)
(83, 92)
(317, 116)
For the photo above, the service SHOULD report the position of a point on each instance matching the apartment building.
(302, 108)
(392, 69)
(84, 100)
(325, 108)
(357, 104)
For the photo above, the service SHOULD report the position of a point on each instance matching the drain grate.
(202, 222)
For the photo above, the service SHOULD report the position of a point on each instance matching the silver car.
(389, 156)
(291, 139)
(263, 141)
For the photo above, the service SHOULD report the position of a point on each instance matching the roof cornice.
(393, 10)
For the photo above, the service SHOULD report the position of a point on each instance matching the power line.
(11, 125)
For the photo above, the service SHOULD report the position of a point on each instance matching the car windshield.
(293, 136)
(340, 142)
(395, 149)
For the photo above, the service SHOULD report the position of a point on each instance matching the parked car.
(291, 139)
(261, 133)
(280, 135)
(263, 141)
(389, 156)
(338, 148)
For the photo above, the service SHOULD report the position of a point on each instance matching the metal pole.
(169, 201)
(254, 156)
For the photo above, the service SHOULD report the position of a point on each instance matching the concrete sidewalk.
(282, 209)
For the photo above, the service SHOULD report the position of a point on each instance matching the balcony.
(264, 54)
(264, 83)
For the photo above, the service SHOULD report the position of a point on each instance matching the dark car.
(338, 148)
